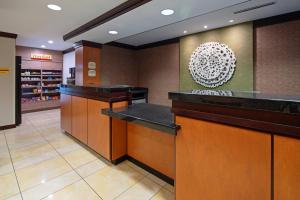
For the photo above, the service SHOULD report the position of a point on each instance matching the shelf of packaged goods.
(30, 80)
(52, 75)
(56, 92)
(30, 87)
(35, 75)
(30, 93)
(45, 80)
(50, 86)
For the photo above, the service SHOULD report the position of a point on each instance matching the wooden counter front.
(217, 162)
(153, 148)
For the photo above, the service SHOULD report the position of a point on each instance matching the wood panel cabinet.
(217, 162)
(66, 113)
(79, 118)
(98, 128)
(286, 168)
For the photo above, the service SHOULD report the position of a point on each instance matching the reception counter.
(236, 145)
(81, 116)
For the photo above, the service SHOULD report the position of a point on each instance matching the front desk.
(81, 116)
(237, 145)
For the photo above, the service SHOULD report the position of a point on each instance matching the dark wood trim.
(160, 43)
(277, 19)
(7, 127)
(108, 16)
(8, 35)
(119, 160)
(265, 121)
(122, 45)
(151, 170)
(68, 50)
(40, 109)
(86, 43)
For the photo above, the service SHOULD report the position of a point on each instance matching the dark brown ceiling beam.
(108, 16)
(8, 35)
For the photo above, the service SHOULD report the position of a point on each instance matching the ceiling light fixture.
(43, 46)
(167, 12)
(205, 27)
(54, 7)
(185, 32)
(230, 21)
(50, 42)
(113, 32)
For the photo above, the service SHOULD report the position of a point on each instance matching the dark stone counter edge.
(150, 124)
(100, 89)
(96, 96)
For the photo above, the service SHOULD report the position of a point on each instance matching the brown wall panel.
(98, 128)
(26, 52)
(118, 66)
(215, 161)
(286, 168)
(153, 148)
(278, 58)
(66, 112)
(79, 118)
(159, 71)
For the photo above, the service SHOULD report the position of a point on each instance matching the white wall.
(7, 81)
(68, 62)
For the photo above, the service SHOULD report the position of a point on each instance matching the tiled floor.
(38, 161)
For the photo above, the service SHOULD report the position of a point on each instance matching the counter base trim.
(151, 170)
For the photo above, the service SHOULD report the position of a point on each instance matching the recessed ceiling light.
(231, 20)
(54, 7)
(205, 27)
(167, 12)
(113, 32)
(50, 42)
(185, 32)
(43, 46)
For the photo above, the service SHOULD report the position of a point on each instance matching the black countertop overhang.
(272, 113)
(149, 115)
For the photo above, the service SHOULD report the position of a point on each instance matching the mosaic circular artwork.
(212, 64)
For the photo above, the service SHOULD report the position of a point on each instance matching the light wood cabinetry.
(79, 119)
(66, 112)
(98, 128)
(217, 162)
(286, 168)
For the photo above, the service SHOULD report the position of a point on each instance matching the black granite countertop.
(149, 115)
(289, 104)
(99, 88)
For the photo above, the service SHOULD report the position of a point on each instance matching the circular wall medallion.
(212, 64)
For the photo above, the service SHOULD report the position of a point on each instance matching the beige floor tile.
(164, 194)
(169, 187)
(51, 186)
(77, 191)
(15, 197)
(79, 157)
(33, 154)
(64, 145)
(143, 190)
(22, 143)
(156, 180)
(43, 171)
(142, 171)
(5, 164)
(2, 139)
(110, 182)
(91, 168)
(8, 186)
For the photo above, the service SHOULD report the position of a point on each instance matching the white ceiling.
(36, 24)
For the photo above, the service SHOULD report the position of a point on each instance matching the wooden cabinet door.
(79, 118)
(217, 162)
(98, 128)
(66, 112)
(286, 168)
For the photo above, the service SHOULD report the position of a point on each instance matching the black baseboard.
(7, 127)
(119, 160)
(151, 170)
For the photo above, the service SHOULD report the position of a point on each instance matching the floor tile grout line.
(13, 167)
(73, 169)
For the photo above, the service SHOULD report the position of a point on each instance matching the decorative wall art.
(212, 64)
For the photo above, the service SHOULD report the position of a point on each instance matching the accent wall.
(239, 38)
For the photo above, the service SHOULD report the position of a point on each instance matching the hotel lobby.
(150, 100)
